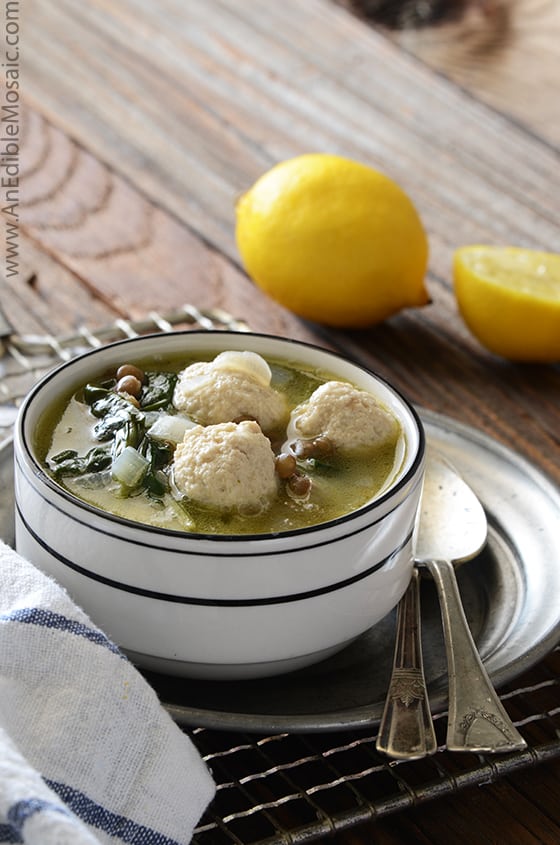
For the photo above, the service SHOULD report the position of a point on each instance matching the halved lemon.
(509, 298)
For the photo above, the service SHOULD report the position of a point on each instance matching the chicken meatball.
(347, 418)
(232, 387)
(227, 466)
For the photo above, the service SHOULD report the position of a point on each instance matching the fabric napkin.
(87, 753)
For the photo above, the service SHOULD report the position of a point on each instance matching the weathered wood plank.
(126, 251)
(46, 298)
(505, 53)
(222, 67)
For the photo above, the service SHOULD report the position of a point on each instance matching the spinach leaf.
(125, 431)
(159, 455)
(157, 391)
(120, 423)
(70, 463)
(92, 392)
(114, 413)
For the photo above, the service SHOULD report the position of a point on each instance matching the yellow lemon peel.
(333, 240)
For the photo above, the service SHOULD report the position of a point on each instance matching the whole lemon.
(509, 297)
(333, 240)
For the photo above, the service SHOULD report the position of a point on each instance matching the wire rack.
(26, 358)
(291, 788)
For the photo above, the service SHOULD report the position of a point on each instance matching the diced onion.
(170, 428)
(249, 363)
(129, 467)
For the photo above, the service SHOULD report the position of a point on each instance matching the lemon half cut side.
(509, 297)
(333, 240)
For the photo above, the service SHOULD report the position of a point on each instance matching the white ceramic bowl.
(220, 606)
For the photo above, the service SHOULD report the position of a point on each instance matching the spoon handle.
(406, 730)
(477, 719)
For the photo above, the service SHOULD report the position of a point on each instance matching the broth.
(340, 483)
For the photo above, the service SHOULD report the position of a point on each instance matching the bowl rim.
(58, 490)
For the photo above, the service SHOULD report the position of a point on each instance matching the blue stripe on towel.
(110, 823)
(49, 619)
(87, 810)
(19, 812)
(9, 835)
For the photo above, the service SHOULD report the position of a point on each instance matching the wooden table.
(139, 124)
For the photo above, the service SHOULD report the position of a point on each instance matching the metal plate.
(510, 592)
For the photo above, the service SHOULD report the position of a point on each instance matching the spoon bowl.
(451, 523)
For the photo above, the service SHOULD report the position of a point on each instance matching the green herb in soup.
(232, 444)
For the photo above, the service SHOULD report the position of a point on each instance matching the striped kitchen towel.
(87, 753)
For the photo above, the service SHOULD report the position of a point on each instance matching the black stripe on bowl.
(249, 602)
(158, 532)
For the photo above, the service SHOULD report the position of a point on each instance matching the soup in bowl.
(223, 505)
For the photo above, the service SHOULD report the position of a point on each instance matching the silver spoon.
(451, 528)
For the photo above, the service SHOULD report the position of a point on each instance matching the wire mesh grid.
(296, 788)
(290, 788)
(25, 358)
